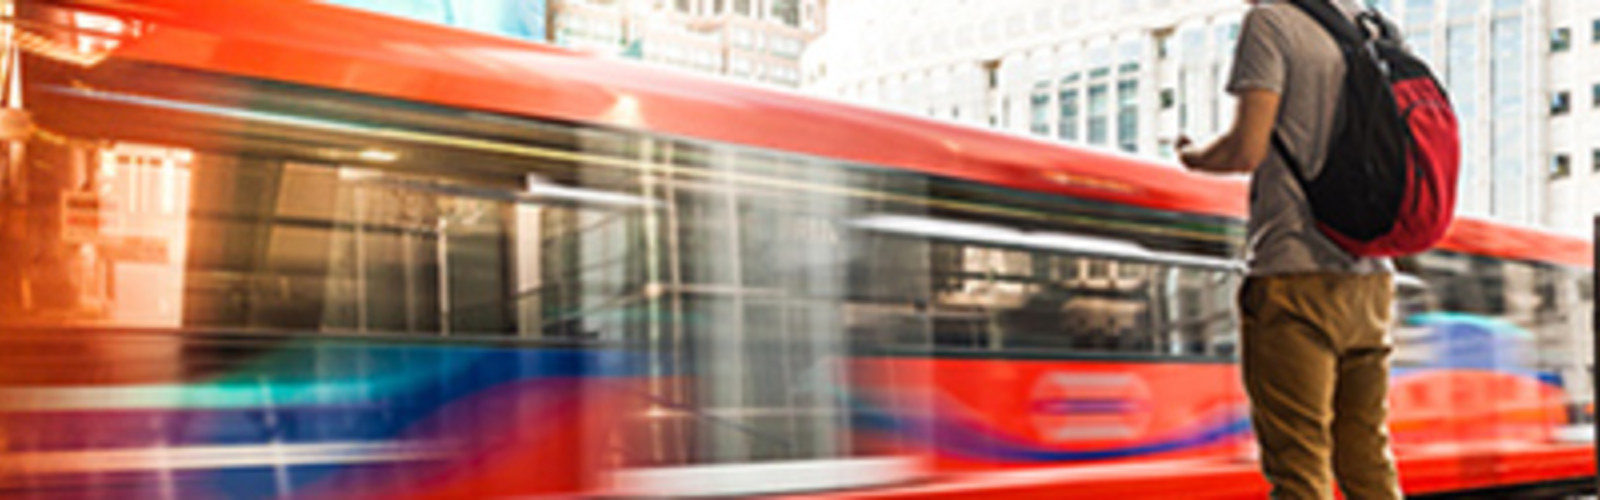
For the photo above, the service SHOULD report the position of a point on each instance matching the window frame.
(1560, 103)
(1560, 166)
(1560, 40)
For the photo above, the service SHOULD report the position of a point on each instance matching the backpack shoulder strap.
(1289, 160)
(1346, 33)
(1333, 21)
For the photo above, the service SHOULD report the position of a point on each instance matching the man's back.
(1284, 50)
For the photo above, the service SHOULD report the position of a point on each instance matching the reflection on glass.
(1464, 9)
(1039, 110)
(1419, 12)
(1069, 114)
(1099, 114)
(1421, 43)
(1462, 78)
(1507, 315)
(1508, 147)
(1128, 115)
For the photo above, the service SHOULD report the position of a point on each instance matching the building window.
(1128, 115)
(1039, 109)
(1594, 160)
(1419, 12)
(1421, 43)
(1560, 103)
(1560, 39)
(1594, 31)
(1068, 129)
(1560, 166)
(1464, 9)
(1461, 77)
(1508, 192)
(1169, 98)
(1046, 301)
(787, 11)
(1099, 114)
(1595, 94)
(1183, 107)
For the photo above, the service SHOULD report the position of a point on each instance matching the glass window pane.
(1384, 6)
(1001, 299)
(1421, 43)
(1509, 139)
(1039, 110)
(1464, 9)
(1560, 103)
(1128, 115)
(1069, 114)
(1560, 166)
(1462, 78)
(1419, 12)
(1099, 114)
(1560, 39)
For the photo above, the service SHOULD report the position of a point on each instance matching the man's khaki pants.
(1316, 366)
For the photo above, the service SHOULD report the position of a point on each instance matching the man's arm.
(1245, 145)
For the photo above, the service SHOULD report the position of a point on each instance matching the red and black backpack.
(1388, 186)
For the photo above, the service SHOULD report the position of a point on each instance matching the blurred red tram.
(277, 249)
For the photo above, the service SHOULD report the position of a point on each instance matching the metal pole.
(1594, 326)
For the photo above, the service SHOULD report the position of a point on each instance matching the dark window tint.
(1560, 39)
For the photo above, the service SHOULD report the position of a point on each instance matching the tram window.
(332, 248)
(1464, 283)
(1131, 270)
(1536, 307)
(1099, 269)
(1007, 300)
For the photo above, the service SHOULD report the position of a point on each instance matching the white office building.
(752, 40)
(1572, 147)
(1131, 75)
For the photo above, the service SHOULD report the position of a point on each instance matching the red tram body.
(983, 406)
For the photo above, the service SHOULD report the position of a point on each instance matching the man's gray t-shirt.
(1284, 50)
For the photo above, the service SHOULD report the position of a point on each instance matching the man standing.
(1315, 319)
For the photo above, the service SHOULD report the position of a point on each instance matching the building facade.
(1128, 75)
(753, 40)
(1492, 59)
(524, 19)
(1132, 75)
(1572, 154)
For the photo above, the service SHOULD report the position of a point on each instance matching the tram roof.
(321, 45)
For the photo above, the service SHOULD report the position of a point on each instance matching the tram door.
(744, 321)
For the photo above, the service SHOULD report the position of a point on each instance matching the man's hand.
(1186, 152)
(1246, 143)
